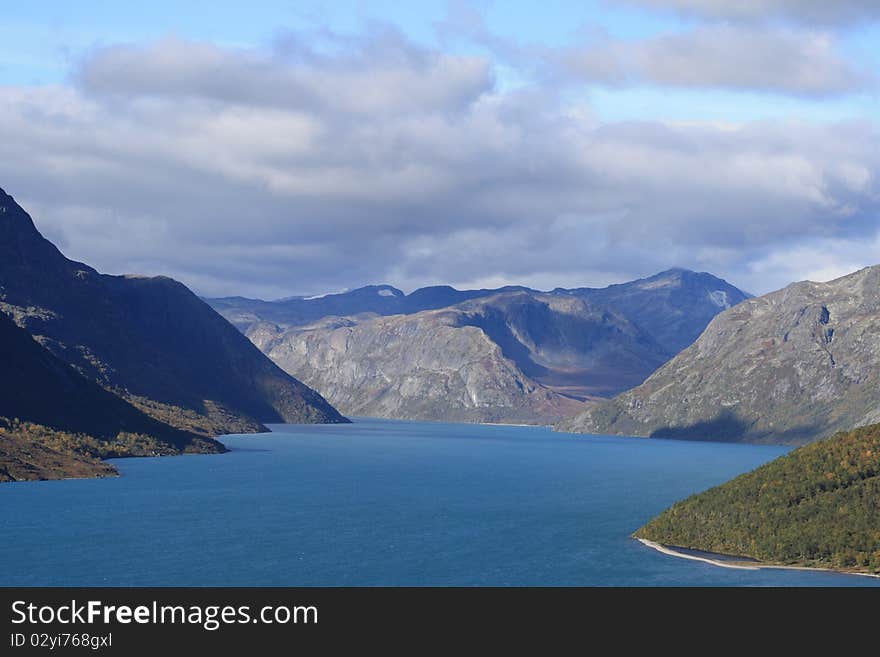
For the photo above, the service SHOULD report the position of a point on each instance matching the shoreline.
(505, 424)
(745, 565)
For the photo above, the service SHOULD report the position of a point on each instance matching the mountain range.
(149, 342)
(510, 354)
(791, 366)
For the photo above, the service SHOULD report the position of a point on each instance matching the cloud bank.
(326, 163)
(724, 56)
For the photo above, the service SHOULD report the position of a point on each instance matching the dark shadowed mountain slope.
(149, 339)
(568, 344)
(674, 306)
(791, 366)
(55, 422)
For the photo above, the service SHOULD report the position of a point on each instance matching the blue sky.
(89, 21)
(277, 148)
(40, 42)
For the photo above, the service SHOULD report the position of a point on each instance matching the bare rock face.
(509, 357)
(437, 354)
(791, 366)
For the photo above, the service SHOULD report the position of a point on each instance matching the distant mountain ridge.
(674, 305)
(790, 366)
(149, 340)
(512, 354)
(383, 300)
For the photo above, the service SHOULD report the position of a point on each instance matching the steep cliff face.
(511, 357)
(791, 366)
(150, 340)
(414, 367)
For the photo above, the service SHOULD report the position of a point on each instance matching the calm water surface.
(379, 503)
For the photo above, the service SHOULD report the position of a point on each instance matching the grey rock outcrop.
(510, 357)
(562, 347)
(791, 366)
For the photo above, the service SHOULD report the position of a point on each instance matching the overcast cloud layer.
(331, 162)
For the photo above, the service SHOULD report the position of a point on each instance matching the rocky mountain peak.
(148, 338)
(21, 244)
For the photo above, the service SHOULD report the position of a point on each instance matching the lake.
(379, 503)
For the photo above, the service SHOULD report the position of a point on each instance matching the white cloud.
(382, 73)
(739, 57)
(242, 172)
(818, 261)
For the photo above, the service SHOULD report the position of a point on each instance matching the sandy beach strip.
(740, 565)
(693, 557)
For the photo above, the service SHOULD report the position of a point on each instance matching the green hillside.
(817, 506)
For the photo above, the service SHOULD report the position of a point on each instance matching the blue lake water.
(379, 503)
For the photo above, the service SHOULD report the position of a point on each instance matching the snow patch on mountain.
(719, 298)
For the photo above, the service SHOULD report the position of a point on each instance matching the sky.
(277, 148)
